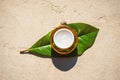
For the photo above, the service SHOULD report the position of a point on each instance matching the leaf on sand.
(86, 37)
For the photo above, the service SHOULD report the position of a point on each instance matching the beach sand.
(23, 22)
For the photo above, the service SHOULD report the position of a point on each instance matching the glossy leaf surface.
(86, 37)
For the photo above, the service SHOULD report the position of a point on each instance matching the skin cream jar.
(63, 39)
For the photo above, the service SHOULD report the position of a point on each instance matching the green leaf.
(86, 37)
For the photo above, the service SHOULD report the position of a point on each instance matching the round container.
(63, 39)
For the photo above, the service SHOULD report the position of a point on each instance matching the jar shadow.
(64, 62)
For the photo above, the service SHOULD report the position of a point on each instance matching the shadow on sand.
(61, 62)
(66, 62)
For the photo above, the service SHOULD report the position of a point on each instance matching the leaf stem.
(23, 51)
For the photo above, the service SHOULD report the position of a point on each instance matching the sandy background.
(22, 22)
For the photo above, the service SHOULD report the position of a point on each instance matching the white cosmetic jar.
(63, 40)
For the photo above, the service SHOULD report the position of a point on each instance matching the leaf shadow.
(61, 62)
(64, 62)
(38, 55)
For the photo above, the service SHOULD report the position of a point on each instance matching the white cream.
(63, 38)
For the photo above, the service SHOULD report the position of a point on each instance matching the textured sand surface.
(22, 22)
